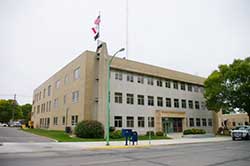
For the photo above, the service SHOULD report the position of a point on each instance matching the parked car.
(3, 125)
(242, 132)
(15, 124)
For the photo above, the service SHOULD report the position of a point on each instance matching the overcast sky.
(38, 37)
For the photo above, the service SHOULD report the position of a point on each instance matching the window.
(196, 88)
(197, 105)
(151, 100)
(40, 95)
(183, 103)
(130, 78)
(201, 89)
(168, 84)
(141, 122)
(190, 104)
(198, 122)
(203, 107)
(176, 103)
(118, 97)
(183, 86)
(118, 75)
(168, 102)
(204, 122)
(159, 101)
(175, 85)
(66, 79)
(63, 120)
(140, 79)
(75, 96)
(130, 98)
(190, 89)
(49, 90)
(38, 109)
(58, 82)
(151, 122)
(150, 81)
(74, 120)
(130, 121)
(49, 106)
(118, 121)
(64, 99)
(55, 121)
(191, 122)
(159, 83)
(56, 103)
(140, 99)
(210, 123)
(77, 73)
(44, 92)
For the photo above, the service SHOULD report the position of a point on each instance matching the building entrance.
(171, 125)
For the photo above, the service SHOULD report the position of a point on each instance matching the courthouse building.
(143, 97)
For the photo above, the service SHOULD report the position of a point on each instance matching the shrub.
(159, 133)
(150, 132)
(111, 129)
(194, 131)
(89, 129)
(116, 134)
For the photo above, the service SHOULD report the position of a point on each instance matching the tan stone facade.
(233, 120)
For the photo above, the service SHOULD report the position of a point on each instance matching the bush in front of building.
(159, 133)
(116, 134)
(89, 129)
(150, 132)
(194, 131)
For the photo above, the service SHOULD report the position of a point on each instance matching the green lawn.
(61, 136)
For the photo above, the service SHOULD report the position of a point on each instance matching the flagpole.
(98, 28)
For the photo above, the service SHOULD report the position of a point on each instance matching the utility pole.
(14, 103)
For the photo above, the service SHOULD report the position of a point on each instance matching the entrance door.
(177, 123)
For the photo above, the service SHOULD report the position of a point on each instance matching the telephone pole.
(14, 103)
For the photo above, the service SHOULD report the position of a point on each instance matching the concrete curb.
(23, 130)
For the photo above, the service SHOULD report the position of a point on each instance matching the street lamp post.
(108, 97)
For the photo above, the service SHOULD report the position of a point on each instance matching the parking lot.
(8, 134)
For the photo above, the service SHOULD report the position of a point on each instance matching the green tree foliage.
(26, 110)
(7, 107)
(228, 88)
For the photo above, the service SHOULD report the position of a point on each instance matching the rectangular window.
(55, 121)
(159, 101)
(118, 75)
(197, 105)
(151, 100)
(56, 103)
(58, 82)
(140, 79)
(190, 89)
(49, 90)
(77, 73)
(196, 88)
(159, 83)
(64, 99)
(44, 92)
(198, 122)
(130, 98)
(168, 102)
(130, 78)
(191, 122)
(63, 120)
(183, 103)
(203, 107)
(140, 99)
(202, 90)
(183, 86)
(49, 106)
(118, 97)
(118, 121)
(151, 122)
(210, 123)
(66, 79)
(176, 103)
(204, 122)
(130, 121)
(190, 104)
(74, 120)
(175, 85)
(168, 84)
(38, 109)
(141, 121)
(150, 81)
(75, 96)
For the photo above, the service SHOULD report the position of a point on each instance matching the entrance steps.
(175, 135)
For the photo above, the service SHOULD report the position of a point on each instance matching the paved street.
(228, 153)
(8, 134)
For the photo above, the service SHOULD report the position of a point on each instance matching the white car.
(242, 132)
(3, 125)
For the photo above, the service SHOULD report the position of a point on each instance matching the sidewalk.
(74, 146)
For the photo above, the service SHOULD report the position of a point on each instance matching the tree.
(228, 88)
(26, 110)
(7, 107)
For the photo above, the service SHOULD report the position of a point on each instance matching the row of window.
(118, 98)
(38, 96)
(46, 107)
(200, 122)
(159, 82)
(130, 121)
(45, 122)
